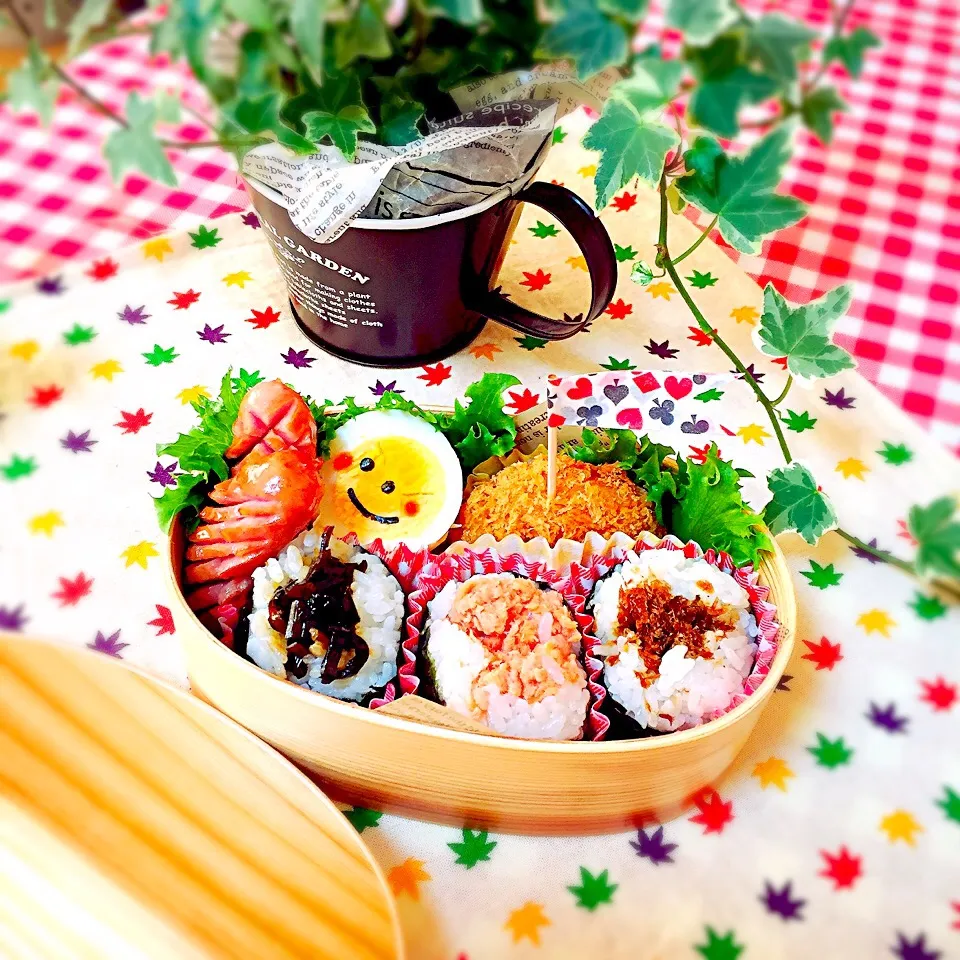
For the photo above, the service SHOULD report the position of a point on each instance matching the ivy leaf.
(632, 10)
(334, 110)
(306, 26)
(740, 190)
(136, 146)
(799, 421)
(254, 13)
(936, 528)
(798, 504)
(849, 50)
(817, 110)
(362, 34)
(778, 43)
(641, 273)
(32, 86)
(341, 127)
(592, 40)
(802, 333)
(92, 14)
(261, 116)
(467, 12)
(474, 848)
(700, 20)
(168, 106)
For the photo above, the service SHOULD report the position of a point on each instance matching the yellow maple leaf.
(852, 467)
(192, 393)
(745, 315)
(157, 248)
(139, 554)
(577, 263)
(773, 771)
(590, 170)
(24, 350)
(106, 370)
(526, 921)
(407, 877)
(753, 433)
(901, 825)
(876, 621)
(46, 523)
(661, 289)
(485, 350)
(237, 279)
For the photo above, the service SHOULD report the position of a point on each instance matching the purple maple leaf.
(784, 682)
(50, 285)
(662, 350)
(111, 645)
(251, 220)
(165, 476)
(839, 399)
(866, 555)
(381, 388)
(913, 949)
(297, 358)
(653, 848)
(12, 618)
(77, 442)
(887, 718)
(781, 902)
(758, 377)
(133, 315)
(213, 334)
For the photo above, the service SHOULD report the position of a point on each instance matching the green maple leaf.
(615, 364)
(700, 20)
(740, 190)
(559, 135)
(588, 37)
(136, 147)
(831, 753)
(473, 848)
(802, 333)
(77, 335)
(18, 467)
(822, 577)
(361, 818)
(778, 44)
(928, 607)
(798, 422)
(712, 394)
(593, 890)
(798, 504)
(817, 110)
(950, 804)
(544, 230)
(937, 532)
(204, 238)
(896, 454)
(719, 948)
(849, 50)
(624, 253)
(32, 85)
(158, 355)
(702, 280)
(260, 117)
(641, 272)
(531, 343)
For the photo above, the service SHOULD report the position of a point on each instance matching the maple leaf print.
(748, 315)
(577, 263)
(753, 433)
(165, 476)
(662, 350)
(876, 621)
(535, 281)
(362, 819)
(101, 270)
(5, 305)
(784, 682)
(851, 467)
(238, 279)
(781, 902)
(830, 753)
(714, 813)
(593, 891)
(758, 377)
(18, 467)
(133, 422)
(624, 202)
(526, 921)
(624, 253)
(887, 718)
(719, 948)
(213, 334)
(950, 804)
(12, 618)
(652, 847)
(45, 396)
(473, 848)
(436, 374)
(522, 401)
(619, 310)
(407, 877)
(71, 592)
(916, 949)
(700, 337)
(485, 350)
(702, 280)
(192, 394)
(204, 238)
(139, 554)
(111, 645)
(661, 290)
(798, 422)
(866, 555)
(381, 388)
(901, 825)
(77, 335)
(134, 315)
(956, 909)
(840, 400)
(530, 343)
(773, 772)
(25, 350)
(158, 248)
(895, 454)
(77, 442)
(544, 230)
(51, 286)
(160, 355)
(297, 358)
(904, 533)
(251, 220)
(615, 364)
(183, 301)
(928, 607)
(938, 693)
(163, 621)
(825, 655)
(822, 577)
(106, 370)
(842, 868)
(262, 319)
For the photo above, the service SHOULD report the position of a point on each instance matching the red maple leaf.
(905, 534)
(780, 362)
(956, 907)
(714, 812)
(700, 338)
(536, 281)
(436, 374)
(45, 396)
(134, 422)
(825, 655)
(728, 431)
(164, 622)
(842, 868)
(181, 301)
(618, 309)
(938, 693)
(71, 592)
(101, 270)
(262, 319)
(699, 454)
(624, 202)
(522, 401)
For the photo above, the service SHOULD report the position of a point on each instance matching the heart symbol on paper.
(616, 393)
(693, 425)
(581, 389)
(553, 379)
(556, 420)
(678, 389)
(646, 382)
(631, 418)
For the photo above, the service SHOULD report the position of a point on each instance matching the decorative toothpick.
(551, 464)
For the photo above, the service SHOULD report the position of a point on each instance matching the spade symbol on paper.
(693, 425)
(587, 416)
(662, 412)
(699, 379)
(616, 392)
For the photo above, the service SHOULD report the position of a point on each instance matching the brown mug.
(394, 293)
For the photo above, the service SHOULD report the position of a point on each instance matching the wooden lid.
(136, 821)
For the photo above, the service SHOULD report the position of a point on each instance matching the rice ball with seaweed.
(677, 638)
(505, 652)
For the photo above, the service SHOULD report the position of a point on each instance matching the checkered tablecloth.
(884, 198)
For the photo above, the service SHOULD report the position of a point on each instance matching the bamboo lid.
(138, 822)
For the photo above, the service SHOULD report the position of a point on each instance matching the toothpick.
(551, 464)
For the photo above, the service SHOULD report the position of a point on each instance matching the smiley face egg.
(392, 476)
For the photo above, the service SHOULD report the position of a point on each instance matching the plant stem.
(883, 555)
(840, 13)
(786, 390)
(696, 243)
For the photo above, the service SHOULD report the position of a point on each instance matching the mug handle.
(597, 249)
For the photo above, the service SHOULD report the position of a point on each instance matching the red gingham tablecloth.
(884, 197)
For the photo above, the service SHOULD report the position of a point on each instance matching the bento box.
(404, 751)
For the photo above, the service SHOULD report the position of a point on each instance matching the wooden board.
(137, 822)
